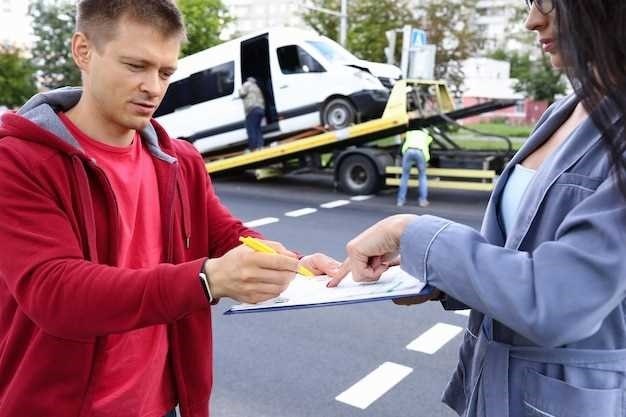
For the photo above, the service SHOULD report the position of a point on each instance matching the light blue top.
(513, 192)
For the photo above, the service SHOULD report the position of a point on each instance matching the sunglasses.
(544, 6)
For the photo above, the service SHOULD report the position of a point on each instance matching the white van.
(307, 80)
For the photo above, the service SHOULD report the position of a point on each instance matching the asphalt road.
(342, 361)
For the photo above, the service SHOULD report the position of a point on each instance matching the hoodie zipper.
(111, 197)
(184, 205)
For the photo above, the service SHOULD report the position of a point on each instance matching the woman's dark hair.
(592, 41)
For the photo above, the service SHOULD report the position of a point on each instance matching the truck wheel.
(338, 113)
(358, 175)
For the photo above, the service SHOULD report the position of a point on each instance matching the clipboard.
(307, 292)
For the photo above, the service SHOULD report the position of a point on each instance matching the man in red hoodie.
(114, 244)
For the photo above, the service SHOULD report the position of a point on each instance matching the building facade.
(254, 15)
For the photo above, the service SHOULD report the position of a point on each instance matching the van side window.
(212, 83)
(295, 60)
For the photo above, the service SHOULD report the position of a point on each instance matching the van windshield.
(332, 51)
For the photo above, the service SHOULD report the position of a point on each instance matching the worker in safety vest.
(415, 151)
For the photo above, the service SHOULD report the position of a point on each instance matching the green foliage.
(204, 20)
(53, 26)
(535, 78)
(541, 82)
(17, 78)
(503, 129)
(450, 25)
(323, 23)
(368, 20)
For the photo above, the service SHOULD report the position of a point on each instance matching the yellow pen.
(259, 246)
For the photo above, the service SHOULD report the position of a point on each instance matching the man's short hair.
(98, 19)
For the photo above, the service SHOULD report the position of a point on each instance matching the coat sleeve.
(43, 267)
(557, 294)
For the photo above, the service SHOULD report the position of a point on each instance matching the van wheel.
(338, 113)
(358, 175)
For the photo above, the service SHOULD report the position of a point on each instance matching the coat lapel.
(493, 227)
(573, 148)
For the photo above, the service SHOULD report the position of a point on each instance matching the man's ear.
(82, 49)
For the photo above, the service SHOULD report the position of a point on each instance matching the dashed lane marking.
(336, 203)
(300, 212)
(434, 338)
(261, 222)
(373, 386)
(361, 197)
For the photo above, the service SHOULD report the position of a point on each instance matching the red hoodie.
(60, 290)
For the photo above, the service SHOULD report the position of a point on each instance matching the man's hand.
(320, 264)
(251, 277)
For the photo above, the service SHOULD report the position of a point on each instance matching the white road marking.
(336, 203)
(465, 313)
(434, 338)
(301, 212)
(361, 197)
(373, 386)
(261, 222)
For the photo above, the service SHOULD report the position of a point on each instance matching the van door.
(255, 62)
(302, 86)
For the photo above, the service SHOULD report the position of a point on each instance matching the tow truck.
(365, 157)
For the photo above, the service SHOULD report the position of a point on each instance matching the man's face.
(126, 77)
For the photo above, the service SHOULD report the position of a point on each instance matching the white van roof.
(225, 52)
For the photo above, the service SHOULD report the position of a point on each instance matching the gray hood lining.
(41, 109)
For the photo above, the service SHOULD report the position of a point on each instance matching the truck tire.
(358, 175)
(338, 113)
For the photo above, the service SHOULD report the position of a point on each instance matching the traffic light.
(390, 49)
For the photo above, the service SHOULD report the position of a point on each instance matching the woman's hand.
(373, 251)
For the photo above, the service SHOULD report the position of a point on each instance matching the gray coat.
(252, 96)
(547, 332)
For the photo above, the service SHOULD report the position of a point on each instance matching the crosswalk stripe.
(373, 386)
(261, 222)
(300, 212)
(336, 203)
(434, 338)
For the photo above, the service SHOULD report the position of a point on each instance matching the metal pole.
(343, 32)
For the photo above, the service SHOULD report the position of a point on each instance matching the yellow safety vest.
(418, 139)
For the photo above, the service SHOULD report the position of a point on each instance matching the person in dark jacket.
(114, 243)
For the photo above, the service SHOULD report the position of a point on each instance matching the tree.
(368, 22)
(540, 81)
(17, 78)
(204, 20)
(536, 78)
(53, 26)
(450, 25)
(324, 23)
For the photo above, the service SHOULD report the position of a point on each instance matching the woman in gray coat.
(546, 276)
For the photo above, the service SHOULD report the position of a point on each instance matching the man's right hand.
(250, 277)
